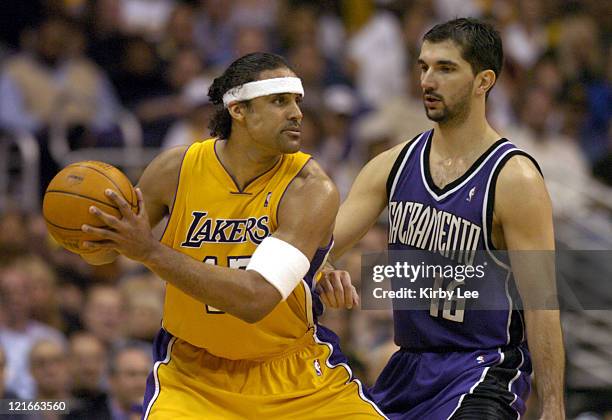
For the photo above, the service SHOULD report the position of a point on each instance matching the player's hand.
(131, 235)
(336, 289)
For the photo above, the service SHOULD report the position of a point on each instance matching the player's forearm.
(347, 234)
(548, 356)
(244, 294)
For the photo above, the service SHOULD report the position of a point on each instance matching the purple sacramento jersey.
(454, 363)
(453, 222)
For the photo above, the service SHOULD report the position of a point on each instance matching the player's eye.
(279, 100)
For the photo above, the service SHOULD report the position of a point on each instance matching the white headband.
(264, 87)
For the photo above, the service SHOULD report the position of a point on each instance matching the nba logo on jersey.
(471, 194)
(317, 367)
(267, 199)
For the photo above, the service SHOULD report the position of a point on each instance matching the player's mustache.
(293, 127)
(432, 95)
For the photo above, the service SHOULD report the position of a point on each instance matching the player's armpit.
(159, 183)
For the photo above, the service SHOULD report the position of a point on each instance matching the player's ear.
(237, 110)
(485, 81)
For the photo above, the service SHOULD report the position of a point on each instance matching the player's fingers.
(323, 297)
(348, 288)
(101, 233)
(108, 219)
(99, 244)
(124, 207)
(327, 291)
(336, 283)
(141, 203)
(355, 297)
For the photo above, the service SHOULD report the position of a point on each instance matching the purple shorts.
(483, 384)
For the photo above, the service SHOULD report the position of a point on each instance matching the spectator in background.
(12, 239)
(214, 32)
(104, 314)
(583, 60)
(139, 73)
(146, 18)
(194, 126)
(87, 367)
(49, 368)
(43, 293)
(158, 111)
(145, 307)
(525, 38)
(312, 133)
(55, 82)
(179, 33)
(298, 26)
(4, 393)
(377, 57)
(54, 78)
(129, 368)
(250, 39)
(104, 33)
(19, 331)
(339, 107)
(417, 18)
(310, 67)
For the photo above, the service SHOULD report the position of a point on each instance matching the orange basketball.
(70, 194)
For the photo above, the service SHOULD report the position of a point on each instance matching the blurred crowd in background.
(70, 330)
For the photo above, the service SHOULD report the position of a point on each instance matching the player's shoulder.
(160, 179)
(519, 171)
(519, 185)
(313, 181)
(169, 161)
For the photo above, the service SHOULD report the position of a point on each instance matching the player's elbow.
(262, 299)
(258, 309)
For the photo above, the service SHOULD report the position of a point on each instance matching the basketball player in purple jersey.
(485, 195)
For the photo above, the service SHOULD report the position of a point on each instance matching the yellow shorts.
(311, 381)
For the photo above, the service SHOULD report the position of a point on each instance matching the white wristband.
(280, 263)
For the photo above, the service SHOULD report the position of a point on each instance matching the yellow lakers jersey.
(216, 223)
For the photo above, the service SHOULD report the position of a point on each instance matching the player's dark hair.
(480, 43)
(243, 70)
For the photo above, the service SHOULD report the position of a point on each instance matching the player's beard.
(457, 112)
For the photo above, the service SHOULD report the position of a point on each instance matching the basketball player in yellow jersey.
(251, 221)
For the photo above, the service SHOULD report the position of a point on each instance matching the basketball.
(70, 194)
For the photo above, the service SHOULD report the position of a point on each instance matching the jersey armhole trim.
(178, 185)
(280, 200)
(398, 163)
(491, 190)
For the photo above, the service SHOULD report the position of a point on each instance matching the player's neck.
(244, 163)
(454, 140)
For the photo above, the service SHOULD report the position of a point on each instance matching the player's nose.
(295, 113)
(428, 82)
